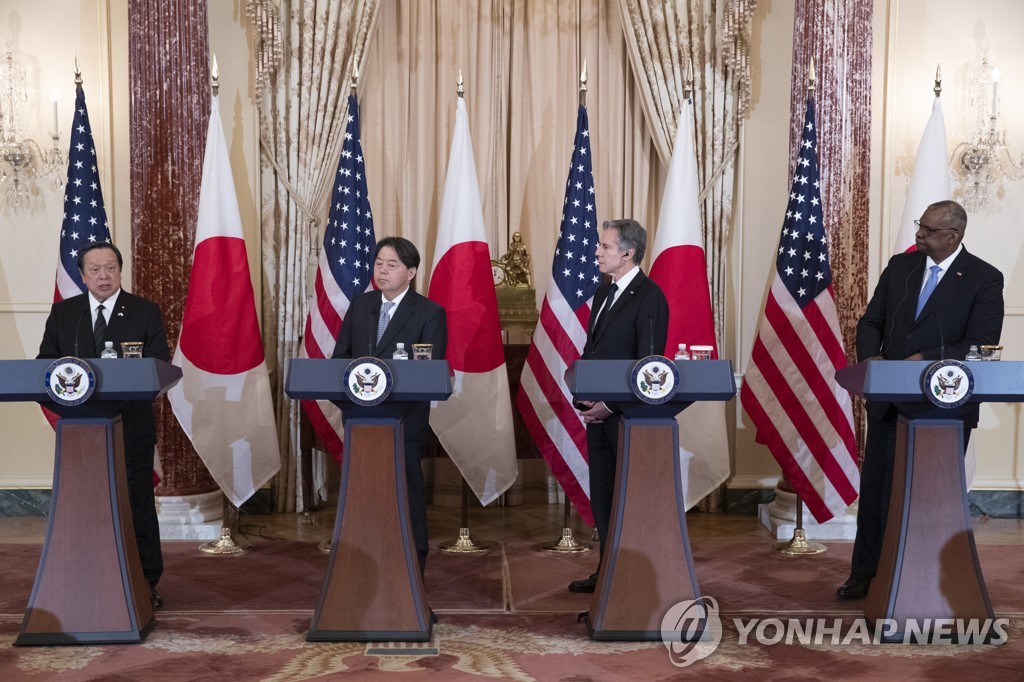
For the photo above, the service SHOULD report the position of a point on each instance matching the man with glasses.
(930, 304)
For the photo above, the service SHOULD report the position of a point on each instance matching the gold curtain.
(302, 122)
(663, 37)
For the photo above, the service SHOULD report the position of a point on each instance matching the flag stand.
(464, 543)
(799, 545)
(226, 544)
(566, 544)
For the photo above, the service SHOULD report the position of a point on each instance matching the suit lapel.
(117, 317)
(398, 319)
(620, 302)
(947, 285)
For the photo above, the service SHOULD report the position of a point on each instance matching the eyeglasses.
(929, 231)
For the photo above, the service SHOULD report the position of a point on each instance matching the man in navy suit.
(80, 326)
(630, 320)
(376, 322)
(930, 304)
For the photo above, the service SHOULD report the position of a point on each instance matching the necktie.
(602, 316)
(382, 322)
(99, 330)
(928, 288)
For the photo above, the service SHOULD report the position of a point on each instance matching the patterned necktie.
(928, 288)
(99, 330)
(602, 316)
(382, 322)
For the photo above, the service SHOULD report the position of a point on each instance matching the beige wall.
(910, 37)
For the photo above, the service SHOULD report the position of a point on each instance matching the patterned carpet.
(506, 615)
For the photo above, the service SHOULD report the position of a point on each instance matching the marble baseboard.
(35, 502)
(999, 504)
(746, 501)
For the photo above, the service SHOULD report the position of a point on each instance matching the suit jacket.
(69, 332)
(965, 309)
(416, 320)
(637, 323)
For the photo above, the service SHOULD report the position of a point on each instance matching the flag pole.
(799, 545)
(226, 545)
(464, 543)
(567, 543)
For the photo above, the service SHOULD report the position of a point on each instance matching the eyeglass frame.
(929, 230)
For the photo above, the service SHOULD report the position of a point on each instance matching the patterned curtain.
(169, 68)
(305, 53)
(663, 38)
(837, 34)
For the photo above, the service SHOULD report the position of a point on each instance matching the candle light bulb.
(995, 92)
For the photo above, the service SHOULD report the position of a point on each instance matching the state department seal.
(948, 383)
(654, 379)
(368, 381)
(69, 381)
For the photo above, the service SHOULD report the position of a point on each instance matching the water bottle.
(973, 354)
(682, 353)
(108, 350)
(400, 352)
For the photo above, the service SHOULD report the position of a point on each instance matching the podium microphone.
(372, 341)
(942, 339)
(650, 322)
(78, 327)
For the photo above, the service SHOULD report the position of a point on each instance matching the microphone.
(942, 339)
(78, 326)
(891, 324)
(650, 323)
(374, 314)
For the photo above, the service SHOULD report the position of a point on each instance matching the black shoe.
(155, 598)
(855, 587)
(585, 585)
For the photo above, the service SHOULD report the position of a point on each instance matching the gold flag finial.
(459, 89)
(583, 77)
(938, 80)
(214, 76)
(355, 75)
(811, 78)
(78, 71)
(688, 82)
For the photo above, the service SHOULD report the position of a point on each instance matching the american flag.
(789, 389)
(345, 270)
(85, 219)
(544, 399)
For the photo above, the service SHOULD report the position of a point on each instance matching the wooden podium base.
(648, 566)
(372, 590)
(929, 569)
(89, 588)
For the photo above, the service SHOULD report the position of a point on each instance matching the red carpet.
(506, 615)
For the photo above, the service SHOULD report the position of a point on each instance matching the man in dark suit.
(630, 321)
(930, 304)
(80, 326)
(376, 322)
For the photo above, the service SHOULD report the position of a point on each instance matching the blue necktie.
(382, 323)
(928, 288)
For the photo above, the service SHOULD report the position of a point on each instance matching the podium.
(929, 568)
(648, 565)
(372, 590)
(89, 587)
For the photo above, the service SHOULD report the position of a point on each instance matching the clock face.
(498, 273)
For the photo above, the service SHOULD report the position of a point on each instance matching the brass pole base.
(307, 519)
(566, 545)
(464, 545)
(226, 544)
(799, 545)
(324, 546)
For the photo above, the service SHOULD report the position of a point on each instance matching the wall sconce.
(984, 160)
(21, 159)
